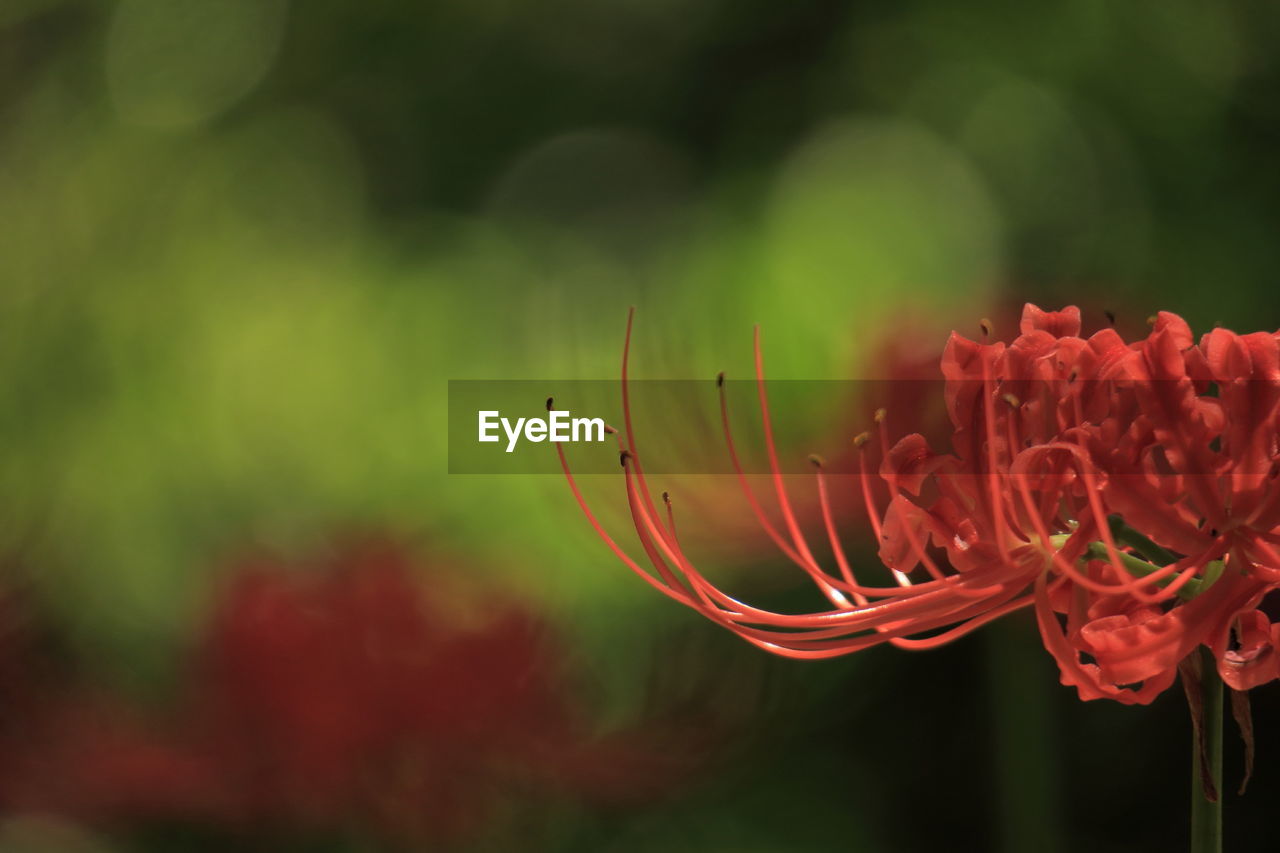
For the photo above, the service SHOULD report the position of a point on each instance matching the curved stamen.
(747, 491)
(608, 540)
(784, 503)
(626, 413)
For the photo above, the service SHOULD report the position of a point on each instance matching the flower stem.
(1140, 543)
(1206, 746)
(1140, 568)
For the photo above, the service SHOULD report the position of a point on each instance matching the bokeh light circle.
(176, 63)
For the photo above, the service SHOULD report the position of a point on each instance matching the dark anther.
(815, 460)
(666, 498)
(1111, 317)
(623, 456)
(550, 403)
(720, 379)
(986, 326)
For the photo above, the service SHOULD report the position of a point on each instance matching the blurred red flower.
(350, 686)
(348, 695)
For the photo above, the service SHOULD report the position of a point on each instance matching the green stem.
(1141, 568)
(1140, 543)
(1206, 816)
(1028, 764)
(1206, 738)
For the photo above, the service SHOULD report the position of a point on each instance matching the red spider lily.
(1094, 479)
(347, 696)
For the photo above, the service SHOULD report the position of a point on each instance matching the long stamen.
(888, 621)
(939, 601)
(747, 491)
(677, 594)
(966, 628)
(626, 416)
(864, 482)
(636, 512)
(837, 548)
(784, 503)
(712, 600)
(671, 518)
(704, 590)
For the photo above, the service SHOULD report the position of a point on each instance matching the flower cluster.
(1124, 490)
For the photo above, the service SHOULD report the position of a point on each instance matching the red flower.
(347, 689)
(1095, 479)
(346, 695)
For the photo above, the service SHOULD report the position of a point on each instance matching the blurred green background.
(245, 243)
